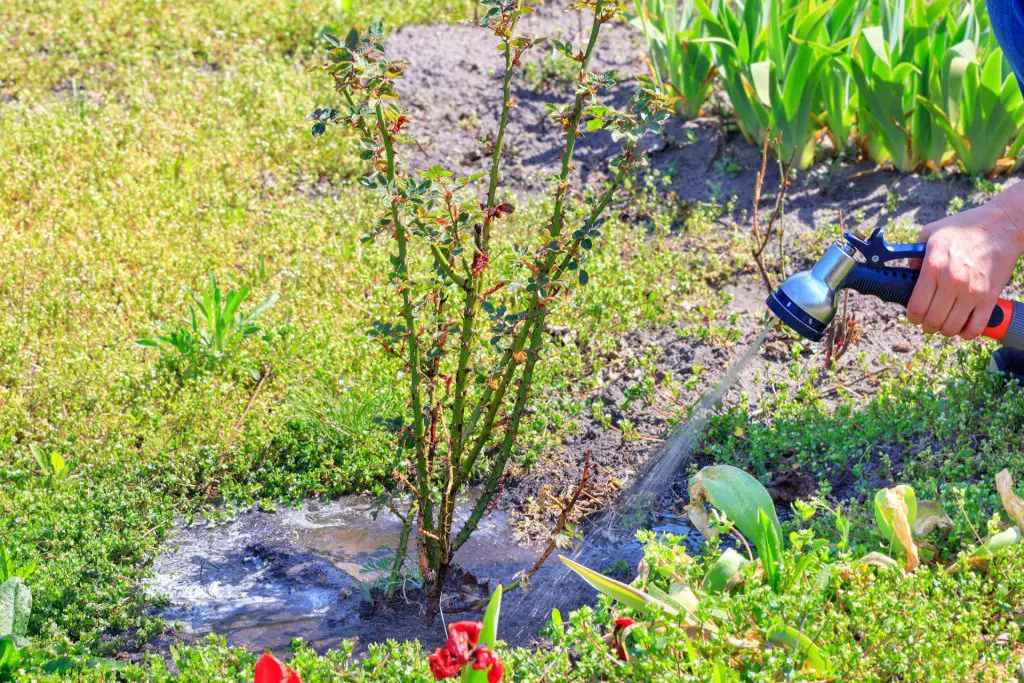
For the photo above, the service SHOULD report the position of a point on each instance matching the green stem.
(574, 122)
(508, 443)
(401, 238)
(498, 396)
(499, 141)
(524, 333)
(442, 262)
(474, 287)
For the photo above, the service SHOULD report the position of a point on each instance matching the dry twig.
(761, 240)
(563, 520)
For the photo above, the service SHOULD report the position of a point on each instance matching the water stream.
(623, 519)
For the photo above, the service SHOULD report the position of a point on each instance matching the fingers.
(978, 321)
(921, 299)
(938, 311)
(957, 318)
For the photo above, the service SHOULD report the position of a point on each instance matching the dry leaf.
(930, 516)
(895, 512)
(696, 510)
(1013, 504)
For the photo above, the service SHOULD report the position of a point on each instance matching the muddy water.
(268, 577)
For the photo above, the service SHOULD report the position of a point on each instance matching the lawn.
(151, 146)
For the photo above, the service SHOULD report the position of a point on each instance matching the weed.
(213, 330)
(51, 463)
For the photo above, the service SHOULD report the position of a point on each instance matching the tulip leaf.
(723, 571)
(895, 514)
(15, 607)
(489, 632)
(802, 646)
(741, 498)
(626, 594)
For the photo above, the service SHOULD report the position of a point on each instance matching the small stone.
(901, 347)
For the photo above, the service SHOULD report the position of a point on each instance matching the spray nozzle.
(877, 251)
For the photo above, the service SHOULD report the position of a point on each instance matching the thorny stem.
(494, 398)
(506, 106)
(574, 122)
(445, 266)
(473, 286)
(511, 432)
(537, 314)
(401, 238)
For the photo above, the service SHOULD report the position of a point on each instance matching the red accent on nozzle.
(999, 331)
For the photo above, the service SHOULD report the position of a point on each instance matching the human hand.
(969, 259)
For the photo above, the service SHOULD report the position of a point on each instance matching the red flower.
(269, 670)
(617, 639)
(623, 623)
(484, 659)
(462, 638)
(443, 664)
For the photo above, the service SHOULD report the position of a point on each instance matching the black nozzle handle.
(895, 285)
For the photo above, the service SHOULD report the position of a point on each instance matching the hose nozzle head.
(806, 301)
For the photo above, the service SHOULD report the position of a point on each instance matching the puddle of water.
(266, 578)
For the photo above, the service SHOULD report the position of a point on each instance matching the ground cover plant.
(148, 146)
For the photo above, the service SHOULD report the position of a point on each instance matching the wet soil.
(268, 577)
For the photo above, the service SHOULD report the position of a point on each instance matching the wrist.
(1011, 203)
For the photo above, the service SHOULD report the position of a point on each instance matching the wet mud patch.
(268, 577)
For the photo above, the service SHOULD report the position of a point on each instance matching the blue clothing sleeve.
(1007, 18)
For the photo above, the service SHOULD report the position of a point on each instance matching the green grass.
(147, 145)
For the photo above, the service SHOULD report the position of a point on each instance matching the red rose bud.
(462, 638)
(443, 664)
(269, 670)
(623, 623)
(486, 660)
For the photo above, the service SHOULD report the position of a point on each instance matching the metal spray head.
(806, 301)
